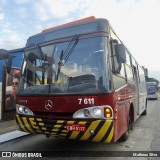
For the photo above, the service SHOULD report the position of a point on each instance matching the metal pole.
(3, 90)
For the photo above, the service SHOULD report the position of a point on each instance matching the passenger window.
(129, 73)
(118, 82)
(122, 71)
(128, 61)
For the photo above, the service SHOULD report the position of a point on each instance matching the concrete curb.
(12, 135)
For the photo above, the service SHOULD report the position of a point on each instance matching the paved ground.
(8, 131)
(7, 126)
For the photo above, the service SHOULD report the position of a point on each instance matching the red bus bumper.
(97, 130)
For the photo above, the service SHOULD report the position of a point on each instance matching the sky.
(136, 22)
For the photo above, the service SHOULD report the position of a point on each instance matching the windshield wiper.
(64, 56)
(71, 47)
(43, 56)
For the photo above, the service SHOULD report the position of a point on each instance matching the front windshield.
(46, 70)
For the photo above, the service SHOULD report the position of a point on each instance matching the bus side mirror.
(9, 65)
(121, 53)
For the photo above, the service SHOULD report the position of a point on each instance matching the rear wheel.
(145, 111)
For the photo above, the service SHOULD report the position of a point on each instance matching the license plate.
(76, 127)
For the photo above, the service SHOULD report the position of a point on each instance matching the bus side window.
(128, 67)
(138, 73)
(119, 76)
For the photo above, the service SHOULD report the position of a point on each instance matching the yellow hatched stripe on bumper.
(70, 122)
(57, 126)
(60, 121)
(64, 131)
(44, 128)
(33, 123)
(39, 119)
(75, 133)
(27, 125)
(63, 134)
(41, 124)
(21, 124)
(93, 126)
(108, 140)
(102, 131)
(55, 130)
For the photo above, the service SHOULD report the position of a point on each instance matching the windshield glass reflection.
(83, 71)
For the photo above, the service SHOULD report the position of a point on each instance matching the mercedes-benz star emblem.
(48, 104)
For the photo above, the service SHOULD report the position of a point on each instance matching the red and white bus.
(79, 81)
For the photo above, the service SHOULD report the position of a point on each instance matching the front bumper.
(103, 129)
(152, 96)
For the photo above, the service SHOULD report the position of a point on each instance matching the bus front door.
(136, 75)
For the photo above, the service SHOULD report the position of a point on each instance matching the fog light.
(92, 132)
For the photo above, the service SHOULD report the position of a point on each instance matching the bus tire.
(145, 111)
(125, 136)
(131, 118)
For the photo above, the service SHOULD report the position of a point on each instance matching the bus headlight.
(20, 109)
(86, 112)
(23, 110)
(97, 112)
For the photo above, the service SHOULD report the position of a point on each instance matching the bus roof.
(5, 54)
(69, 24)
(82, 26)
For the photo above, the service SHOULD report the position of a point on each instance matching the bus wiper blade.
(43, 56)
(60, 63)
(64, 56)
(71, 47)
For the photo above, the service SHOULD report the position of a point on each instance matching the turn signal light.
(107, 112)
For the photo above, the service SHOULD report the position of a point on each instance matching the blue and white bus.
(152, 89)
(17, 57)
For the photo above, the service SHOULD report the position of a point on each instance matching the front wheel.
(126, 134)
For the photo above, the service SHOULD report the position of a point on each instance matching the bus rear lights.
(23, 110)
(107, 112)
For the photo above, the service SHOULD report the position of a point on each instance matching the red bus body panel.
(65, 106)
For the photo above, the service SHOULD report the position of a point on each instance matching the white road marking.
(11, 135)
